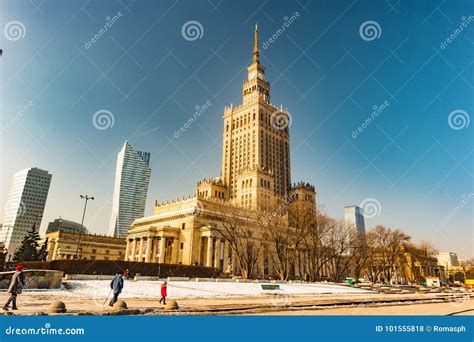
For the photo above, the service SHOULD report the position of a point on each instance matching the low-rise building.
(63, 245)
(418, 267)
(66, 225)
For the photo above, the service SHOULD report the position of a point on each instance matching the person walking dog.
(164, 291)
(116, 285)
(16, 286)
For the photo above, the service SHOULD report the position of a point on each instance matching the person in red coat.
(163, 292)
(16, 286)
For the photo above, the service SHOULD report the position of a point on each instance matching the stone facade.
(62, 245)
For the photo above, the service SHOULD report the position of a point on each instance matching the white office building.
(447, 259)
(131, 186)
(24, 207)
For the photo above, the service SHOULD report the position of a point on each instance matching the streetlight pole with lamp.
(86, 198)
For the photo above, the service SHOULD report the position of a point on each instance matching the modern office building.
(65, 226)
(353, 216)
(24, 207)
(447, 259)
(131, 185)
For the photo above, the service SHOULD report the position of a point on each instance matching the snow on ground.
(187, 289)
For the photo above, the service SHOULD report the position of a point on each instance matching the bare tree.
(242, 229)
(286, 231)
(427, 248)
(359, 254)
(387, 249)
(340, 242)
(318, 244)
(374, 263)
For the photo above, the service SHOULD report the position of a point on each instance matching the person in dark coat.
(16, 286)
(116, 285)
(164, 292)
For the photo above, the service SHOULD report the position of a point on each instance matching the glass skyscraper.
(131, 185)
(353, 216)
(25, 206)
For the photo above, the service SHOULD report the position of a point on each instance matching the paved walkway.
(371, 304)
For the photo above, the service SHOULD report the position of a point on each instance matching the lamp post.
(86, 198)
(5, 242)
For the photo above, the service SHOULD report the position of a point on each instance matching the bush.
(109, 267)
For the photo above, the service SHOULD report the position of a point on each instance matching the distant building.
(131, 185)
(447, 259)
(62, 245)
(353, 216)
(416, 266)
(65, 225)
(24, 207)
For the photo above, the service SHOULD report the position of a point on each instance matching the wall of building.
(63, 246)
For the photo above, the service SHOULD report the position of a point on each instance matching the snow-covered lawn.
(187, 289)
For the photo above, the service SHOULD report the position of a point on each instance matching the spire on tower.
(256, 54)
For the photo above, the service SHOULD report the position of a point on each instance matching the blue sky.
(150, 78)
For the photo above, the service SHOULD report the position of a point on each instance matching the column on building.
(209, 252)
(55, 250)
(149, 244)
(217, 253)
(127, 250)
(162, 250)
(226, 256)
(133, 251)
(175, 251)
(201, 251)
(155, 249)
(140, 250)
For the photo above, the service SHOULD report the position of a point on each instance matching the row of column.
(216, 250)
(151, 249)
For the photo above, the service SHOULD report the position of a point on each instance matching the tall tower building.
(354, 217)
(256, 146)
(25, 206)
(131, 185)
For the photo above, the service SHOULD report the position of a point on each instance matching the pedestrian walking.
(116, 285)
(164, 288)
(16, 286)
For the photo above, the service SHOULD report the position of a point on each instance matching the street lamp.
(86, 198)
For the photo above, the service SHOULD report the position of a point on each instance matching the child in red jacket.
(163, 292)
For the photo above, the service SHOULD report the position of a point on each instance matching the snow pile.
(186, 289)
